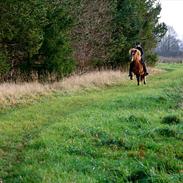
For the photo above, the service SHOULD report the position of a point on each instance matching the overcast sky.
(172, 14)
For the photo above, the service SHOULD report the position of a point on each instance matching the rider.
(139, 47)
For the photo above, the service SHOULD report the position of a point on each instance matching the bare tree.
(91, 34)
(170, 44)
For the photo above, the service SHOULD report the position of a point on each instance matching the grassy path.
(123, 133)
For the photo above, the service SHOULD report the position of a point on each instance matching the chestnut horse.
(138, 69)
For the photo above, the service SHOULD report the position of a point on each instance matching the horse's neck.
(137, 62)
(138, 68)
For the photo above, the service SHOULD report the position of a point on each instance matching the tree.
(181, 44)
(26, 26)
(56, 49)
(21, 32)
(39, 35)
(104, 30)
(135, 21)
(170, 45)
(91, 33)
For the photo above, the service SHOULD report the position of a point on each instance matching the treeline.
(170, 45)
(47, 40)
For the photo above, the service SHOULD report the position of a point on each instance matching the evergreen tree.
(26, 27)
(56, 49)
(135, 21)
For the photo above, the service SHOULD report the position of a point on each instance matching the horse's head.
(136, 54)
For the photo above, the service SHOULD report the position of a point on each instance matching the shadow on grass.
(171, 119)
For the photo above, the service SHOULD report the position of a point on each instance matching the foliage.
(26, 26)
(135, 21)
(4, 66)
(56, 47)
(91, 33)
(105, 30)
(47, 37)
(151, 58)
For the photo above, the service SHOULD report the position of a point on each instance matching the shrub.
(171, 119)
(151, 59)
(4, 66)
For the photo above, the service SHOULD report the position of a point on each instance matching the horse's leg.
(144, 80)
(138, 79)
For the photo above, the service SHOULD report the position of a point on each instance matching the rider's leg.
(144, 67)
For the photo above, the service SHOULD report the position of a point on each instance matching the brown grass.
(12, 94)
(171, 60)
(154, 71)
(90, 80)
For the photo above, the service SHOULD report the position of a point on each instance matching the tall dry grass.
(171, 60)
(12, 94)
(90, 80)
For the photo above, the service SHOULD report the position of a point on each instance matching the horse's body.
(138, 69)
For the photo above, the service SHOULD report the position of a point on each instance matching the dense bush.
(4, 66)
(151, 58)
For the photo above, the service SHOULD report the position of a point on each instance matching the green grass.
(124, 133)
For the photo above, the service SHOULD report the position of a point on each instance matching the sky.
(172, 14)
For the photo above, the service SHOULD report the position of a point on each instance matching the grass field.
(122, 133)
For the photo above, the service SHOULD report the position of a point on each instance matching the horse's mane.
(137, 54)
